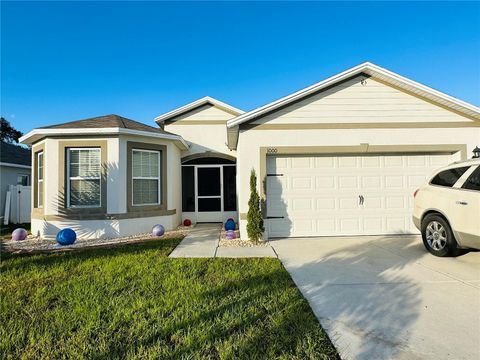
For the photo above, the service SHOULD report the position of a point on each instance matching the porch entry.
(208, 188)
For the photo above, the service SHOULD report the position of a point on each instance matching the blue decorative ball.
(158, 230)
(66, 237)
(230, 224)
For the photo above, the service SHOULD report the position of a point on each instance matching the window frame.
(42, 180)
(149, 210)
(471, 173)
(23, 176)
(69, 178)
(158, 178)
(449, 169)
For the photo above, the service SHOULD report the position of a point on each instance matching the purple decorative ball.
(158, 230)
(66, 236)
(19, 234)
(230, 235)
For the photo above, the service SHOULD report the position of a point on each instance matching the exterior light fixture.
(476, 152)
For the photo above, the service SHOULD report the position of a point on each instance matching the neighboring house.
(15, 169)
(341, 157)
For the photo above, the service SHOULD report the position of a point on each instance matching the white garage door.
(345, 195)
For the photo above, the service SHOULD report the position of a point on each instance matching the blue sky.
(63, 61)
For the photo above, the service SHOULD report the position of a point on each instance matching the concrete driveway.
(387, 298)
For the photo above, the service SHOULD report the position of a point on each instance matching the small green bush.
(255, 227)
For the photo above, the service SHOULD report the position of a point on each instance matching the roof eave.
(195, 104)
(367, 68)
(38, 134)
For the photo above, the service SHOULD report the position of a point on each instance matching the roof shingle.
(106, 121)
(14, 154)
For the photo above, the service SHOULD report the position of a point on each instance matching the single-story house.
(15, 169)
(340, 157)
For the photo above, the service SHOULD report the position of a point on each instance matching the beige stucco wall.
(251, 141)
(116, 190)
(204, 129)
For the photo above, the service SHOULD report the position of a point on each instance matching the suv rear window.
(448, 177)
(473, 181)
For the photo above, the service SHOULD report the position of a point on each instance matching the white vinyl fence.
(18, 204)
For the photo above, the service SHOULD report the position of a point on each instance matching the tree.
(8, 132)
(255, 227)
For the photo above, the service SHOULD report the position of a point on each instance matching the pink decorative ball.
(230, 235)
(187, 222)
(19, 234)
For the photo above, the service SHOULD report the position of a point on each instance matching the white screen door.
(209, 190)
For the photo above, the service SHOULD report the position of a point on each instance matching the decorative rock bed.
(34, 244)
(237, 241)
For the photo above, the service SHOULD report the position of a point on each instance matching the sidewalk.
(202, 242)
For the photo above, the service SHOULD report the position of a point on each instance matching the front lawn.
(134, 302)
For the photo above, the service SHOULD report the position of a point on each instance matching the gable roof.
(101, 125)
(14, 154)
(105, 121)
(374, 71)
(196, 104)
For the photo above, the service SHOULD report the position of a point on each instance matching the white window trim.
(23, 175)
(99, 178)
(158, 178)
(40, 153)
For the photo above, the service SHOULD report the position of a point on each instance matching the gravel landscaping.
(238, 242)
(35, 244)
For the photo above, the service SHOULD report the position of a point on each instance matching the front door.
(209, 193)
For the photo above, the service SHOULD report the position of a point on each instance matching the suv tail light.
(416, 192)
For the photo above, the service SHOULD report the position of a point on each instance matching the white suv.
(447, 209)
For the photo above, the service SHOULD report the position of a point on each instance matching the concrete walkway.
(202, 242)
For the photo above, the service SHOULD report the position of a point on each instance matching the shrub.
(255, 227)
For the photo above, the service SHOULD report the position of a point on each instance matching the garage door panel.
(319, 195)
(325, 204)
(299, 205)
(348, 225)
(393, 161)
(279, 228)
(417, 161)
(324, 182)
(347, 182)
(395, 202)
(301, 183)
(348, 162)
(374, 202)
(440, 160)
(325, 162)
(396, 225)
(414, 180)
(371, 161)
(371, 182)
(303, 227)
(301, 163)
(373, 223)
(326, 225)
(348, 203)
(394, 182)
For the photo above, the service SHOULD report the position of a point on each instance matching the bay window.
(146, 177)
(83, 177)
(39, 179)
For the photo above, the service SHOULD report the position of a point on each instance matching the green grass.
(134, 302)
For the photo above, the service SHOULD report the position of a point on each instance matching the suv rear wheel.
(438, 236)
